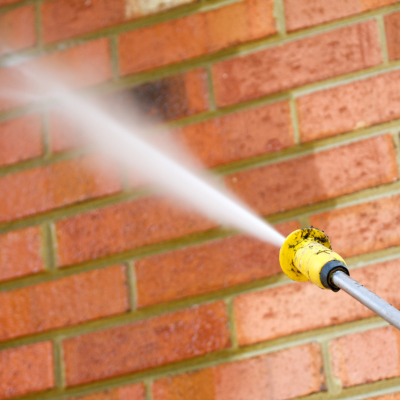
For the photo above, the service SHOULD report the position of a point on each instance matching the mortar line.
(38, 25)
(132, 285)
(279, 14)
(382, 38)
(232, 321)
(114, 57)
(332, 385)
(295, 120)
(148, 389)
(396, 141)
(211, 92)
(46, 137)
(304, 221)
(49, 245)
(59, 372)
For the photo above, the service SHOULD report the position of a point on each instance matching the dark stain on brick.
(164, 99)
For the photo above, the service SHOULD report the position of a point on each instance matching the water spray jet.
(307, 255)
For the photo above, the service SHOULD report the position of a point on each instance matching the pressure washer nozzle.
(307, 255)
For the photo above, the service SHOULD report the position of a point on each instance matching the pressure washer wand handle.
(368, 298)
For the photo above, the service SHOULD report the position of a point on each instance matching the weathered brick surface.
(42, 189)
(17, 29)
(132, 392)
(20, 139)
(63, 19)
(305, 13)
(64, 302)
(353, 365)
(165, 99)
(21, 253)
(26, 370)
(206, 268)
(392, 24)
(362, 228)
(207, 32)
(297, 63)
(70, 67)
(122, 227)
(281, 311)
(241, 135)
(283, 375)
(146, 344)
(279, 187)
(352, 106)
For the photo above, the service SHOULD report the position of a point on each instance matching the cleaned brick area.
(21, 253)
(123, 227)
(279, 187)
(238, 136)
(206, 268)
(63, 302)
(71, 67)
(297, 63)
(20, 139)
(17, 29)
(26, 370)
(205, 33)
(150, 343)
(42, 189)
(286, 374)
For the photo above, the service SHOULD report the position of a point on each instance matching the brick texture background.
(109, 291)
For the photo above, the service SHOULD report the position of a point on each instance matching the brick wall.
(109, 292)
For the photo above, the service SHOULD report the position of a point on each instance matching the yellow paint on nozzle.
(304, 255)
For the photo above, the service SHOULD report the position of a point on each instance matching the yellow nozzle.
(307, 255)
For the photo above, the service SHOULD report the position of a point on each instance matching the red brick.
(122, 227)
(46, 188)
(204, 33)
(353, 106)
(305, 13)
(26, 370)
(241, 135)
(20, 139)
(17, 29)
(281, 311)
(64, 302)
(392, 24)
(83, 65)
(146, 344)
(297, 63)
(132, 392)
(63, 19)
(279, 187)
(283, 375)
(20, 253)
(206, 268)
(362, 228)
(353, 365)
